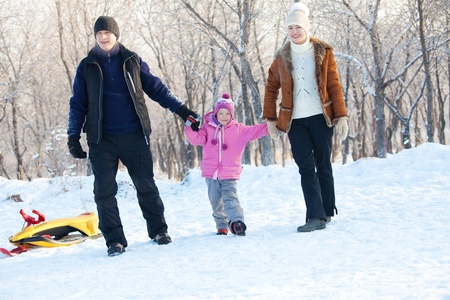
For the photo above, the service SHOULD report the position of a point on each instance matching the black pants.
(310, 140)
(135, 154)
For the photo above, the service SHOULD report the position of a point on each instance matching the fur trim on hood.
(319, 52)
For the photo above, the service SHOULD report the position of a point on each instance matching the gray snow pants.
(224, 202)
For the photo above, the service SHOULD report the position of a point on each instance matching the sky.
(390, 239)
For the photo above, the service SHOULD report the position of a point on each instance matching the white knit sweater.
(306, 97)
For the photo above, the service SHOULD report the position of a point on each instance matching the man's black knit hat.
(106, 23)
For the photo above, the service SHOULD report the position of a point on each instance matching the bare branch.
(357, 17)
(61, 41)
(407, 66)
(208, 25)
(416, 101)
(365, 73)
(392, 49)
(394, 109)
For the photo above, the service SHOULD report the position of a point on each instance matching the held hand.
(75, 147)
(342, 129)
(193, 122)
(271, 127)
(190, 118)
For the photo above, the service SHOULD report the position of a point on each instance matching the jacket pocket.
(327, 103)
(283, 108)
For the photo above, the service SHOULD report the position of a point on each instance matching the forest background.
(393, 58)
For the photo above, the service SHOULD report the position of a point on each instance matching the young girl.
(224, 140)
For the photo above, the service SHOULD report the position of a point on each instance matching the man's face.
(105, 39)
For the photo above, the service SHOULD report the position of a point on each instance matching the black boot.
(116, 249)
(311, 225)
(163, 239)
(238, 228)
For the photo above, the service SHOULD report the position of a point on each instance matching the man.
(108, 103)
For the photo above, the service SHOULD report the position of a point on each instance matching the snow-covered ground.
(391, 239)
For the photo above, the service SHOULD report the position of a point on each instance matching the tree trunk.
(448, 65)
(441, 102)
(15, 140)
(2, 168)
(426, 64)
(61, 40)
(246, 157)
(346, 90)
(380, 118)
(245, 69)
(381, 124)
(406, 136)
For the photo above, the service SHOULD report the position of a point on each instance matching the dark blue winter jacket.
(108, 94)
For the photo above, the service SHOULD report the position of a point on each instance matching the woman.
(312, 102)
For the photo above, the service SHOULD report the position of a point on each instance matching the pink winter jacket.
(220, 161)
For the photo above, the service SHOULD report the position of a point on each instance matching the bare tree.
(61, 40)
(382, 65)
(200, 48)
(239, 44)
(15, 65)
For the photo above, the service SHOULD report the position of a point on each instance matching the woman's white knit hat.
(298, 15)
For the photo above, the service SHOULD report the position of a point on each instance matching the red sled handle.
(13, 252)
(30, 220)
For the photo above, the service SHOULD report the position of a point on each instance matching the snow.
(389, 241)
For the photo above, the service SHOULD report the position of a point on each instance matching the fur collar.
(319, 48)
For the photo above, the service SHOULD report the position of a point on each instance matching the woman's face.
(297, 34)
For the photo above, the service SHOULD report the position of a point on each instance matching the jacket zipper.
(220, 151)
(100, 105)
(132, 91)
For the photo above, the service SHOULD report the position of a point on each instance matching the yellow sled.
(56, 233)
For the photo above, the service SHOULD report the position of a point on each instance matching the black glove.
(75, 147)
(189, 117)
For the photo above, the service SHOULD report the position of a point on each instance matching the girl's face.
(297, 34)
(105, 39)
(223, 116)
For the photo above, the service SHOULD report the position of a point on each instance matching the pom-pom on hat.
(106, 23)
(224, 102)
(298, 15)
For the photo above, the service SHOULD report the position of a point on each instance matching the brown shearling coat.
(327, 80)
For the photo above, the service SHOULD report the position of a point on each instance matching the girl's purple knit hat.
(224, 102)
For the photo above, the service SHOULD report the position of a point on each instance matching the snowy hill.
(389, 241)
